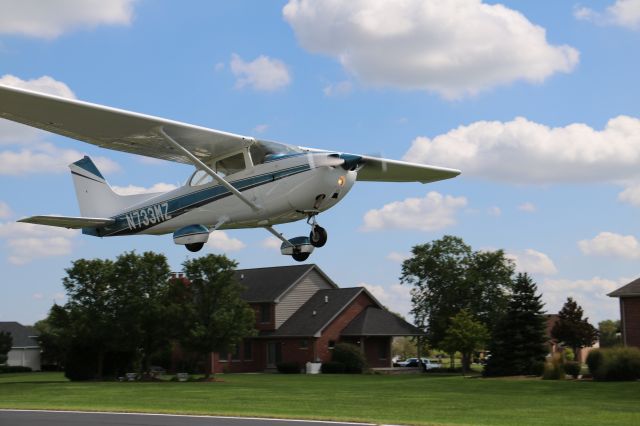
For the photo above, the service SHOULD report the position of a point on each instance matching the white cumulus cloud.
(341, 88)
(522, 151)
(453, 47)
(26, 242)
(533, 262)
(622, 13)
(434, 211)
(51, 18)
(528, 207)
(395, 297)
(263, 73)
(5, 210)
(398, 257)
(611, 245)
(591, 294)
(219, 240)
(271, 243)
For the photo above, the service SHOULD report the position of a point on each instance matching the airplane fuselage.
(285, 189)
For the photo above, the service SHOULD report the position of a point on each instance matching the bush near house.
(553, 368)
(288, 368)
(614, 364)
(351, 356)
(332, 367)
(572, 368)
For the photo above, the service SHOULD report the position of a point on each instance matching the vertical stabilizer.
(95, 196)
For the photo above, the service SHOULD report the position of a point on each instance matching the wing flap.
(113, 128)
(68, 221)
(384, 170)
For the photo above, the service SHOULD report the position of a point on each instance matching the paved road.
(61, 418)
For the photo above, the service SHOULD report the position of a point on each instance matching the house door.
(274, 354)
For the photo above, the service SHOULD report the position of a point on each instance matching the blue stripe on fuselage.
(137, 220)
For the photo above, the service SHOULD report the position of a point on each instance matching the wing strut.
(278, 235)
(199, 164)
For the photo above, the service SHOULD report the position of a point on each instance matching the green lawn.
(412, 399)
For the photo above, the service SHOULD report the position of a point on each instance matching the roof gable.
(376, 321)
(631, 289)
(265, 285)
(23, 336)
(318, 312)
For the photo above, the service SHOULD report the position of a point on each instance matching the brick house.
(629, 296)
(301, 314)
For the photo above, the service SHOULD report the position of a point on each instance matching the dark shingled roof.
(267, 284)
(22, 335)
(631, 289)
(303, 323)
(374, 321)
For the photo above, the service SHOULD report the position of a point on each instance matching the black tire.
(194, 247)
(318, 236)
(300, 257)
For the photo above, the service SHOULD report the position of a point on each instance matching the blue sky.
(536, 103)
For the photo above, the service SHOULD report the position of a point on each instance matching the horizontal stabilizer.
(68, 221)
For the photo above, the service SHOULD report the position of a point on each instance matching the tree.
(448, 276)
(609, 331)
(465, 335)
(218, 318)
(141, 296)
(6, 342)
(518, 342)
(573, 330)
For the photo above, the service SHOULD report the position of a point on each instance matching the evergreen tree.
(518, 343)
(609, 333)
(571, 329)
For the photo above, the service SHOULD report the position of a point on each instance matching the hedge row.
(614, 364)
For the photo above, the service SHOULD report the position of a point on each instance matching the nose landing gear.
(318, 235)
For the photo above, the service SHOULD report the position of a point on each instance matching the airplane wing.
(384, 170)
(115, 128)
(68, 221)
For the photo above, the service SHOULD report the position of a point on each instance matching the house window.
(304, 344)
(265, 313)
(235, 355)
(223, 356)
(248, 350)
(332, 344)
(383, 350)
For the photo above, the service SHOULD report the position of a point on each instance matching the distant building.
(554, 346)
(629, 296)
(25, 350)
(301, 314)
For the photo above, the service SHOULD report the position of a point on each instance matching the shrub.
(572, 368)
(553, 368)
(14, 369)
(595, 359)
(81, 364)
(618, 364)
(537, 368)
(288, 368)
(333, 367)
(351, 356)
(569, 355)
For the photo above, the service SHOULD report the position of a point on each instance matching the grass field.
(410, 399)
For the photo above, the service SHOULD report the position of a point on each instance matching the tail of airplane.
(95, 196)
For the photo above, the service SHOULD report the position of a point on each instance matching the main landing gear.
(194, 247)
(300, 248)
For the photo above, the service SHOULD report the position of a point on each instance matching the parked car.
(425, 363)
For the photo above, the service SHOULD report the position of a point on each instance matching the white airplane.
(239, 181)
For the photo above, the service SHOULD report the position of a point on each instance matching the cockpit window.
(230, 165)
(200, 177)
(263, 151)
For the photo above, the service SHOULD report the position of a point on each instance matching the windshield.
(263, 151)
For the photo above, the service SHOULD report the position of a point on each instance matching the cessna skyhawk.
(239, 181)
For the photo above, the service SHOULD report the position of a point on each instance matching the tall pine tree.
(518, 343)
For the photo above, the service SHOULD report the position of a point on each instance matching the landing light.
(341, 181)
